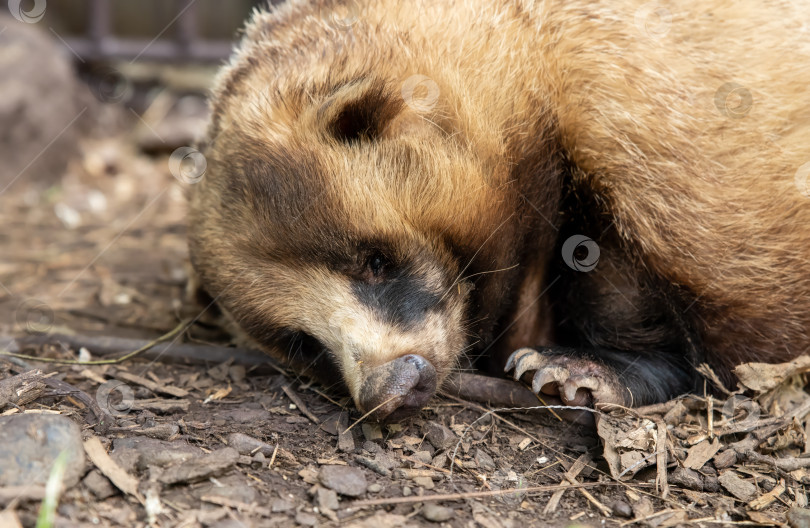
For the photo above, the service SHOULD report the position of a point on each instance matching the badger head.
(351, 233)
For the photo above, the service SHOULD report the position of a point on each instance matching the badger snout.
(398, 389)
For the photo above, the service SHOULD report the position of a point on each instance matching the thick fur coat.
(390, 179)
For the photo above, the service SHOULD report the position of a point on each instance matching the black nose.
(398, 389)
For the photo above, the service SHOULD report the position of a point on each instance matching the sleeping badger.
(594, 196)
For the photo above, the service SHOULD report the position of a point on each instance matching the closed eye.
(372, 267)
(377, 263)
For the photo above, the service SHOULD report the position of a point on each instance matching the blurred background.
(97, 96)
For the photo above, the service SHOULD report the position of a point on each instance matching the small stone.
(643, 508)
(327, 499)
(406, 491)
(245, 415)
(306, 519)
(622, 509)
(374, 488)
(798, 517)
(439, 460)
(346, 480)
(30, 444)
(436, 513)
(373, 447)
(231, 489)
(439, 435)
(309, 474)
(247, 445)
(424, 482)
(423, 457)
(483, 460)
(281, 505)
(345, 442)
(99, 485)
(686, 478)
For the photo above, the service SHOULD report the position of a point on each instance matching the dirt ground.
(228, 439)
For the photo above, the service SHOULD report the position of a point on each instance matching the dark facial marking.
(402, 299)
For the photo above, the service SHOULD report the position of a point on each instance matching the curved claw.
(531, 360)
(515, 356)
(547, 376)
(575, 390)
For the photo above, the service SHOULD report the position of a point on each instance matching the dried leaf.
(763, 377)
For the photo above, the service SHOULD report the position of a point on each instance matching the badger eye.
(377, 263)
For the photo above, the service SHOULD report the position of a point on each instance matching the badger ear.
(362, 111)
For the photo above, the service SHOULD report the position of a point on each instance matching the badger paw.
(575, 380)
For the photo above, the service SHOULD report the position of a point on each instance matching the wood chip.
(414, 473)
(761, 502)
(661, 482)
(332, 461)
(22, 388)
(151, 385)
(701, 453)
(93, 375)
(745, 491)
(373, 465)
(726, 459)
(117, 475)
(202, 467)
(762, 518)
(161, 406)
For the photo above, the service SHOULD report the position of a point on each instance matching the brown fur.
(533, 97)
